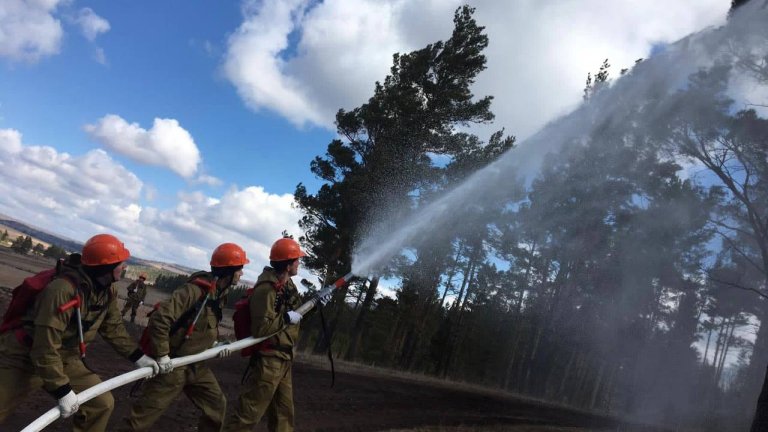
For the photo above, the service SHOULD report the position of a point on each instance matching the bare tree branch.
(735, 285)
(740, 252)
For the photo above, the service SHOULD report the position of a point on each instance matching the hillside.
(39, 235)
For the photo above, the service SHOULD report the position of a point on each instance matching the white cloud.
(29, 30)
(78, 196)
(99, 56)
(166, 144)
(91, 25)
(250, 217)
(538, 57)
(10, 141)
(254, 65)
(60, 191)
(208, 180)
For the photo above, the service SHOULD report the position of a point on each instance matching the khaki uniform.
(196, 380)
(44, 351)
(137, 291)
(268, 389)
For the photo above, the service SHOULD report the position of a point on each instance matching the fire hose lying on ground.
(53, 414)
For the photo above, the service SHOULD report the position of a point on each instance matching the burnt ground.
(363, 399)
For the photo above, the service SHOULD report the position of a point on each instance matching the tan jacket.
(267, 313)
(137, 292)
(54, 334)
(183, 299)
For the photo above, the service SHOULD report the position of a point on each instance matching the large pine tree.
(385, 156)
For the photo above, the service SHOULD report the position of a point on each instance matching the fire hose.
(54, 413)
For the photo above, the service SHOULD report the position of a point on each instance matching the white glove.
(68, 405)
(226, 352)
(165, 364)
(293, 317)
(141, 303)
(147, 361)
(324, 300)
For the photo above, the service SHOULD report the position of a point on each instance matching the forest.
(627, 275)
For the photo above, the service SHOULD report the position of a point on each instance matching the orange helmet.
(286, 249)
(103, 249)
(228, 255)
(143, 276)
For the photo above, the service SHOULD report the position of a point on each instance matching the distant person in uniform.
(167, 329)
(137, 291)
(269, 389)
(45, 350)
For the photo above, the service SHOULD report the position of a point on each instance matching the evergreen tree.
(22, 245)
(54, 251)
(38, 249)
(384, 157)
(168, 283)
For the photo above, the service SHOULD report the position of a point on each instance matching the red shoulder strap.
(279, 286)
(206, 286)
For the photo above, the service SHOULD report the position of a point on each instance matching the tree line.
(25, 245)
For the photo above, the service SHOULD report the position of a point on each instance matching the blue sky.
(166, 71)
(178, 128)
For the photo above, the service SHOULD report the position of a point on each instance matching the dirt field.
(363, 399)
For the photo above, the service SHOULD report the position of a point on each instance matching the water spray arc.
(661, 74)
(54, 413)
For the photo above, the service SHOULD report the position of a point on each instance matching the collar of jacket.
(72, 269)
(208, 277)
(270, 275)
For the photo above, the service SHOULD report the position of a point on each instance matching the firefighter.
(45, 350)
(268, 388)
(137, 291)
(167, 330)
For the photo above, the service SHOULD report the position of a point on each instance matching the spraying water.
(662, 74)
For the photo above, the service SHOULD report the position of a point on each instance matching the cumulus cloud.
(91, 25)
(10, 141)
(250, 217)
(166, 144)
(78, 196)
(63, 192)
(255, 66)
(538, 57)
(29, 30)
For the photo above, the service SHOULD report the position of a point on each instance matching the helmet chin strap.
(103, 282)
(230, 279)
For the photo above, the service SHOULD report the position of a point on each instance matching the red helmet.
(286, 249)
(103, 249)
(228, 255)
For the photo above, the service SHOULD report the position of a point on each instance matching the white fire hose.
(99, 389)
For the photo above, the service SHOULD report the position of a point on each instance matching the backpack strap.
(206, 288)
(282, 295)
